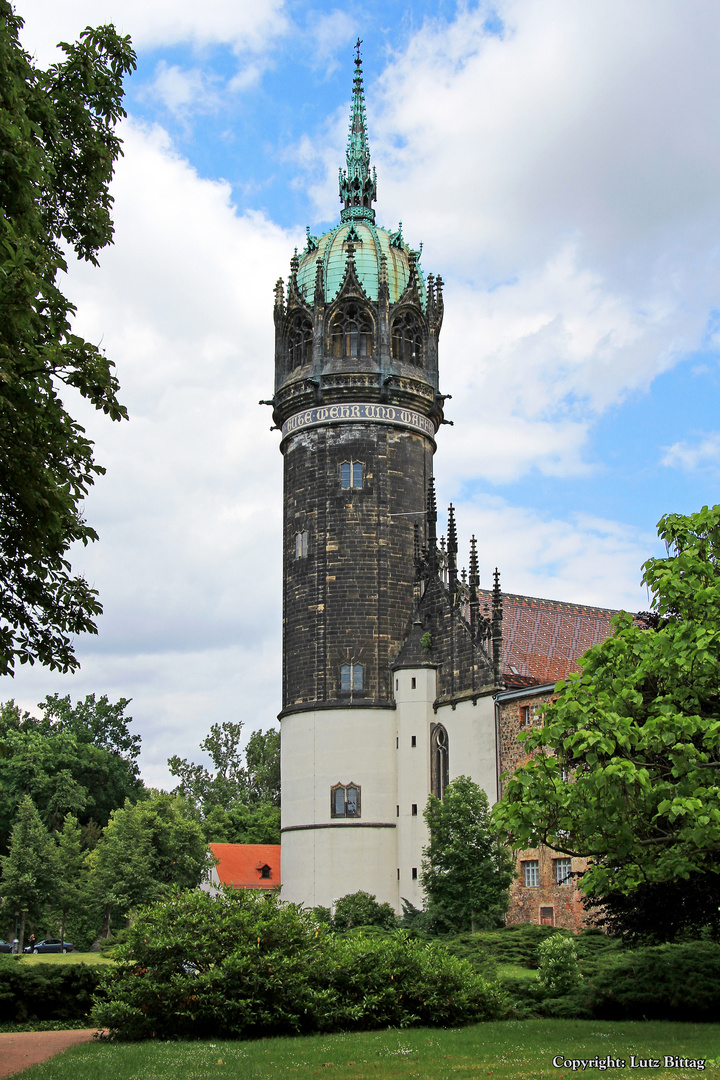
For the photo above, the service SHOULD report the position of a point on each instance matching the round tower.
(356, 400)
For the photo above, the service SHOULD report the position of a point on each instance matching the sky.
(559, 162)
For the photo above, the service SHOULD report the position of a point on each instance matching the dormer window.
(265, 872)
(351, 333)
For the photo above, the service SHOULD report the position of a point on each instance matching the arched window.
(439, 770)
(345, 800)
(351, 332)
(299, 342)
(407, 339)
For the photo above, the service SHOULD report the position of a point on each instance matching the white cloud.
(153, 23)
(688, 456)
(329, 32)
(181, 90)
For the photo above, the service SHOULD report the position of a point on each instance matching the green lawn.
(65, 958)
(506, 1050)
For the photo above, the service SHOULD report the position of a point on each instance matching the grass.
(65, 958)
(516, 971)
(504, 1051)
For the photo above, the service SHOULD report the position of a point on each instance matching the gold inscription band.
(358, 412)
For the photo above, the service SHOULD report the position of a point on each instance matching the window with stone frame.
(406, 338)
(345, 801)
(351, 678)
(301, 545)
(524, 716)
(351, 474)
(351, 332)
(563, 871)
(439, 760)
(531, 873)
(299, 342)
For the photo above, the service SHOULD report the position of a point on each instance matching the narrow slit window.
(301, 545)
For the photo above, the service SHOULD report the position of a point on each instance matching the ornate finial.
(474, 569)
(279, 293)
(358, 186)
(319, 297)
(432, 528)
(452, 548)
(294, 264)
(311, 241)
(497, 614)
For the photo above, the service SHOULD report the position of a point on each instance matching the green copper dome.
(368, 243)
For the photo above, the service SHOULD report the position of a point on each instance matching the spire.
(358, 186)
(497, 614)
(432, 528)
(452, 547)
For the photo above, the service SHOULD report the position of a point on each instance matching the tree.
(638, 732)
(70, 871)
(59, 148)
(238, 802)
(466, 870)
(28, 870)
(146, 849)
(70, 760)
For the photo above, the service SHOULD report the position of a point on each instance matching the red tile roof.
(240, 865)
(542, 639)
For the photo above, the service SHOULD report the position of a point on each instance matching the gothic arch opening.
(351, 332)
(299, 342)
(439, 761)
(407, 339)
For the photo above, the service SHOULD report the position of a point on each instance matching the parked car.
(6, 946)
(50, 945)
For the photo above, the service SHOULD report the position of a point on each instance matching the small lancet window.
(407, 342)
(439, 761)
(345, 801)
(351, 474)
(351, 678)
(299, 342)
(351, 333)
(301, 545)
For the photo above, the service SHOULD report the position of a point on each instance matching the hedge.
(45, 991)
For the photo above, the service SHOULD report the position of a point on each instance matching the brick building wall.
(535, 894)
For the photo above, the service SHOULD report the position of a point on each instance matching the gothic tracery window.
(439, 764)
(351, 332)
(345, 801)
(407, 338)
(299, 342)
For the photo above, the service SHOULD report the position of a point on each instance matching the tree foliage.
(466, 870)
(28, 870)
(238, 800)
(77, 759)
(58, 147)
(362, 909)
(639, 731)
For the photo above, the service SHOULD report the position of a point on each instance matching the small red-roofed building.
(244, 866)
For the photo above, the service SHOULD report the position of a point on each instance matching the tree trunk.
(22, 932)
(62, 933)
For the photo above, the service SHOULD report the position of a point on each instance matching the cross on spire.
(358, 186)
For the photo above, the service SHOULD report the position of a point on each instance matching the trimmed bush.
(45, 992)
(243, 965)
(661, 982)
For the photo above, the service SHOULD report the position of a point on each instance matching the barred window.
(351, 332)
(563, 871)
(407, 338)
(345, 800)
(299, 342)
(351, 474)
(531, 873)
(351, 678)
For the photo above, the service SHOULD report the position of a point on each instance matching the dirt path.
(21, 1049)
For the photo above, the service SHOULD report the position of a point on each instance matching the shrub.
(45, 991)
(661, 982)
(558, 965)
(362, 909)
(244, 965)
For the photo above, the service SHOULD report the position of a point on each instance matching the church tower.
(358, 406)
